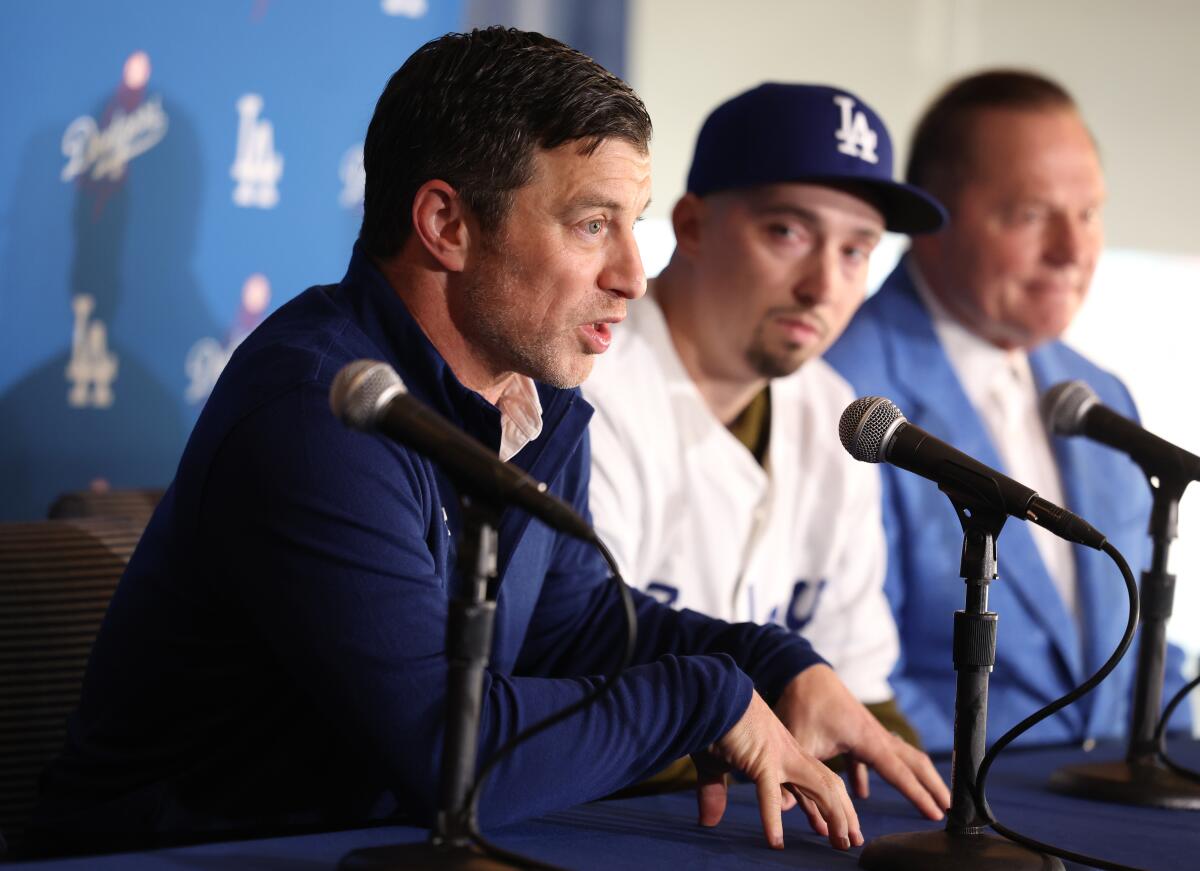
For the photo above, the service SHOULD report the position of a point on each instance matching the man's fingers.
(922, 765)
(832, 803)
(787, 800)
(815, 821)
(896, 769)
(853, 832)
(856, 837)
(711, 796)
(861, 777)
(769, 810)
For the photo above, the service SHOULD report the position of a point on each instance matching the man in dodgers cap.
(718, 479)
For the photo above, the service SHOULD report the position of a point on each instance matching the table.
(661, 831)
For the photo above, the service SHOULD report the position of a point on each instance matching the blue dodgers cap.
(810, 133)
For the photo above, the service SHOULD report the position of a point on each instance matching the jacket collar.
(386, 319)
(382, 314)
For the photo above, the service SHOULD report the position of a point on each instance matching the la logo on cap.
(855, 137)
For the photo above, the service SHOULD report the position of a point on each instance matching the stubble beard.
(492, 322)
(768, 363)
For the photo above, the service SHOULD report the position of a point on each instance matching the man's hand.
(827, 720)
(762, 748)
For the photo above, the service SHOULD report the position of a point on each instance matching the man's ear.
(440, 225)
(686, 219)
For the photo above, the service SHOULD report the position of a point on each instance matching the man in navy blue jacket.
(964, 336)
(275, 654)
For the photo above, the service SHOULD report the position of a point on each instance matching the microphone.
(1073, 408)
(873, 430)
(368, 395)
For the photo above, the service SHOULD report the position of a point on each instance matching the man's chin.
(566, 375)
(777, 365)
(1035, 340)
(1048, 325)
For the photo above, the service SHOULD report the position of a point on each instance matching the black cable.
(1054, 707)
(552, 720)
(1160, 734)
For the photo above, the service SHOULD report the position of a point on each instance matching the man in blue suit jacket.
(963, 337)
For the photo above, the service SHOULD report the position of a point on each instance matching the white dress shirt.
(1000, 385)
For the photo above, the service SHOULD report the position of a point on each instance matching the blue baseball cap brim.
(905, 208)
(813, 134)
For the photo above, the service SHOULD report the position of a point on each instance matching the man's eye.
(595, 227)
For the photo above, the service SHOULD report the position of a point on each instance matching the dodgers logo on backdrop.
(206, 359)
(92, 368)
(855, 137)
(99, 152)
(353, 176)
(257, 166)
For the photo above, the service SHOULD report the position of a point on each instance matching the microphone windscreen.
(1064, 406)
(361, 390)
(865, 425)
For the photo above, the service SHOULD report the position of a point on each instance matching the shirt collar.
(977, 361)
(520, 415)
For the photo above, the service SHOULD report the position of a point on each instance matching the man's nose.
(624, 273)
(816, 282)
(1067, 239)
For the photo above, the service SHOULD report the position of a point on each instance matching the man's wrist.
(794, 657)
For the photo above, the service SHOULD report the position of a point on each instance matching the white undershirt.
(520, 415)
(1000, 385)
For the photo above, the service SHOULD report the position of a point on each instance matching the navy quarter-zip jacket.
(274, 656)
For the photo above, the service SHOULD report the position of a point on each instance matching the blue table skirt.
(661, 831)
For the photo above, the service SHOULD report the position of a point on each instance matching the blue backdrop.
(169, 173)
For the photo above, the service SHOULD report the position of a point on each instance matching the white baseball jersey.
(693, 519)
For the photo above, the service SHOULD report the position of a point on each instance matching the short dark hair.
(941, 145)
(469, 109)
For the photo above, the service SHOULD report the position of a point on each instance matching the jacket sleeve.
(331, 537)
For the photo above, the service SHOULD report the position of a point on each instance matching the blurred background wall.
(172, 172)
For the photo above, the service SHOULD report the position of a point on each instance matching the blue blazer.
(890, 349)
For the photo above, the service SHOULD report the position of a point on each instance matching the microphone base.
(1147, 784)
(412, 857)
(946, 851)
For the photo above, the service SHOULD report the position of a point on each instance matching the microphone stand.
(1141, 778)
(965, 841)
(468, 646)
